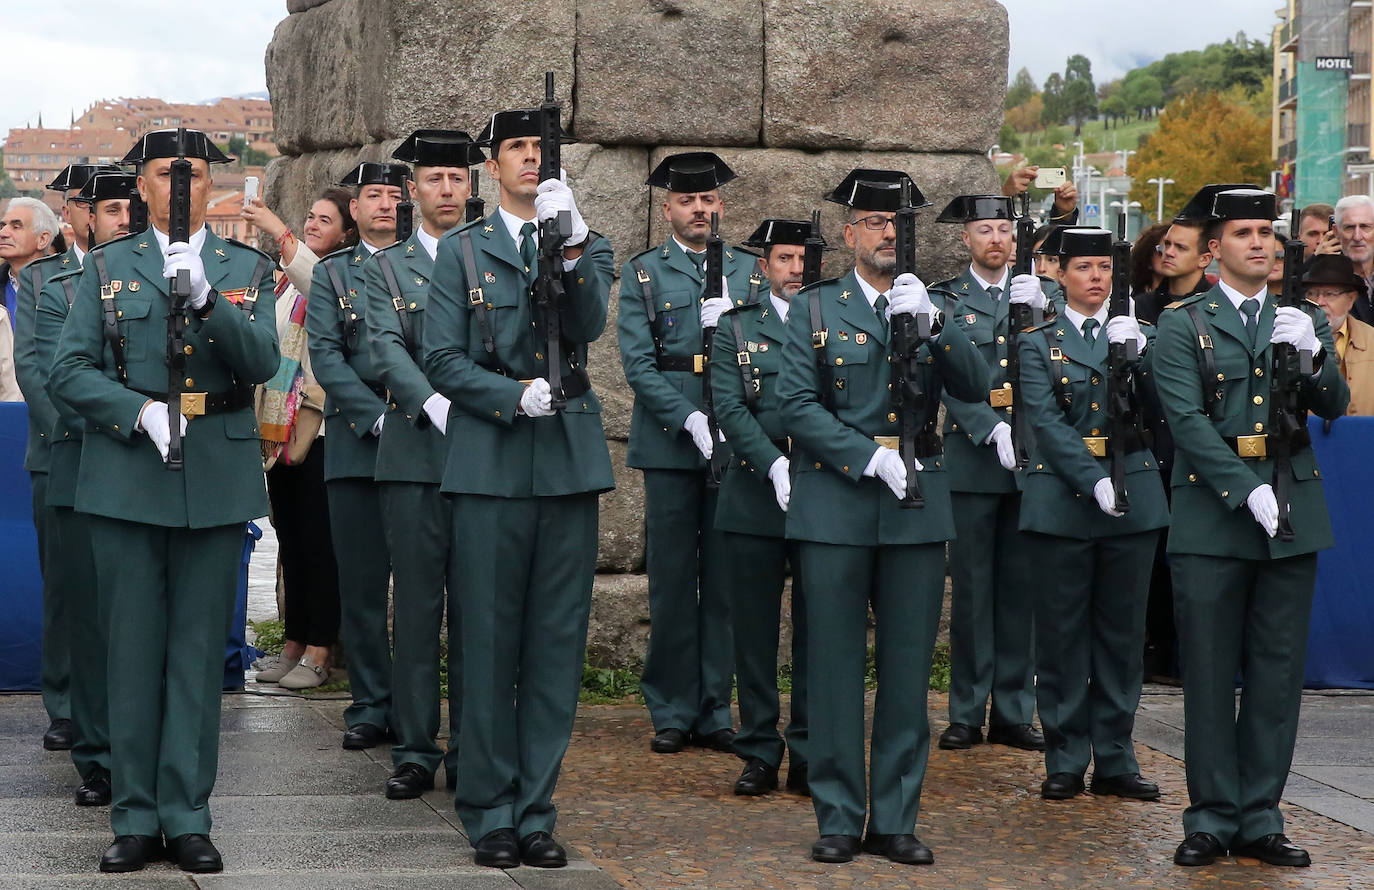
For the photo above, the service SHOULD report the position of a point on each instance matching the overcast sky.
(59, 57)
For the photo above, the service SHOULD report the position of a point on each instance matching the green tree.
(1142, 92)
(1079, 97)
(1114, 108)
(1021, 88)
(1053, 97)
(1008, 139)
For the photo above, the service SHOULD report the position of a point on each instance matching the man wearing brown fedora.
(1331, 282)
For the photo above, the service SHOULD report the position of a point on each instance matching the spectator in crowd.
(1064, 212)
(27, 230)
(1147, 263)
(1355, 229)
(1331, 282)
(1317, 231)
(9, 386)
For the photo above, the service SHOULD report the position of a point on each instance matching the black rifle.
(1021, 316)
(1286, 414)
(476, 207)
(178, 231)
(405, 220)
(1121, 416)
(138, 211)
(715, 273)
(909, 332)
(812, 250)
(548, 286)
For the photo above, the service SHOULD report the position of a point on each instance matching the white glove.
(781, 478)
(1123, 329)
(1001, 437)
(154, 421)
(377, 426)
(1026, 289)
(1292, 325)
(552, 196)
(712, 309)
(180, 255)
(886, 464)
(436, 409)
(1264, 506)
(908, 296)
(699, 429)
(1106, 497)
(537, 399)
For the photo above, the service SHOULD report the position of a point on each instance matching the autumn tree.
(1026, 117)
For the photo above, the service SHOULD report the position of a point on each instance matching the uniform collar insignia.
(419, 281)
(219, 252)
(410, 248)
(844, 295)
(143, 245)
(357, 258)
(1059, 333)
(488, 229)
(66, 260)
(1213, 305)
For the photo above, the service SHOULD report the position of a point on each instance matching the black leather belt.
(378, 388)
(689, 364)
(194, 404)
(927, 444)
(575, 384)
(1257, 447)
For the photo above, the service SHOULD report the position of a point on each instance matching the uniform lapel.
(493, 239)
(770, 324)
(1076, 348)
(1226, 318)
(677, 259)
(971, 293)
(855, 310)
(215, 255)
(148, 263)
(415, 262)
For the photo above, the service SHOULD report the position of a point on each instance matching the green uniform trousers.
(169, 594)
(1090, 629)
(904, 584)
(1249, 616)
(55, 664)
(992, 611)
(755, 580)
(525, 593)
(364, 574)
(74, 582)
(688, 667)
(418, 521)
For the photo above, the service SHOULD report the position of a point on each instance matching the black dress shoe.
(835, 848)
(540, 850)
(1021, 735)
(1200, 848)
(905, 849)
(497, 849)
(799, 779)
(720, 740)
(364, 735)
(59, 735)
(195, 853)
(1061, 786)
(95, 790)
(960, 736)
(1274, 849)
(409, 781)
(668, 741)
(130, 852)
(1128, 785)
(757, 778)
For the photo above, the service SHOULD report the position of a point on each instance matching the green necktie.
(879, 309)
(527, 247)
(1090, 330)
(995, 292)
(698, 260)
(1250, 307)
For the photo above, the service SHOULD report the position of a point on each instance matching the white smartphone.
(1051, 177)
(250, 189)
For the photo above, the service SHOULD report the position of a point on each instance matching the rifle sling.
(397, 300)
(350, 318)
(1210, 393)
(477, 301)
(746, 373)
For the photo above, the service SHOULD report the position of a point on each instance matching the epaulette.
(262, 253)
(342, 251)
(1144, 324)
(1186, 300)
(52, 258)
(947, 286)
(1047, 323)
(66, 273)
(465, 226)
(741, 308)
(817, 284)
(113, 241)
(744, 250)
(654, 249)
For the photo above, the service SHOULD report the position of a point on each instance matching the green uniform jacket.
(663, 399)
(832, 502)
(345, 370)
(31, 372)
(746, 502)
(411, 449)
(122, 475)
(492, 451)
(1210, 482)
(68, 426)
(1058, 498)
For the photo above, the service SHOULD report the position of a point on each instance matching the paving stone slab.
(487, 879)
(318, 812)
(296, 773)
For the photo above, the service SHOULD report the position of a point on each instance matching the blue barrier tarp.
(21, 588)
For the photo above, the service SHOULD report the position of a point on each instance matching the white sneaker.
(276, 667)
(305, 675)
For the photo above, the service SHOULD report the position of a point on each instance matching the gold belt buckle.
(698, 364)
(893, 442)
(1252, 446)
(1001, 398)
(193, 404)
(1097, 445)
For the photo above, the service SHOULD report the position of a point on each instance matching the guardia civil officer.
(167, 545)
(858, 547)
(1094, 551)
(687, 670)
(524, 468)
(751, 512)
(342, 358)
(1242, 593)
(992, 607)
(417, 520)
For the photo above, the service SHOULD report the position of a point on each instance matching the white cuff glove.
(781, 478)
(711, 311)
(377, 427)
(1105, 494)
(436, 409)
(1292, 325)
(156, 423)
(1123, 329)
(1264, 506)
(179, 256)
(552, 196)
(537, 399)
(700, 430)
(1001, 437)
(908, 296)
(886, 464)
(1026, 289)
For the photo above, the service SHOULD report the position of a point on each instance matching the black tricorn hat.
(439, 148)
(512, 123)
(104, 186)
(1048, 238)
(970, 208)
(691, 171)
(370, 173)
(780, 231)
(163, 144)
(865, 189)
(1084, 241)
(1199, 207)
(74, 176)
(1246, 203)
(1334, 269)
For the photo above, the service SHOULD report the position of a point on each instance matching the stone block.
(608, 377)
(621, 546)
(652, 71)
(618, 632)
(294, 183)
(608, 182)
(294, 6)
(906, 75)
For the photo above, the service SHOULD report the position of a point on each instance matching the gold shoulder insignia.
(410, 248)
(1175, 304)
(488, 229)
(1213, 306)
(844, 295)
(219, 252)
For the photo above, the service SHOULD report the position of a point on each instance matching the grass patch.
(939, 668)
(607, 686)
(269, 635)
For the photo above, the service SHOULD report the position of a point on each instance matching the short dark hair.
(1213, 231)
(1197, 228)
(1323, 212)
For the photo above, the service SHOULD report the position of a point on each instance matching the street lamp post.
(1159, 207)
(1123, 227)
(1125, 158)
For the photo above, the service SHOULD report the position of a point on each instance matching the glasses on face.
(875, 222)
(1315, 294)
